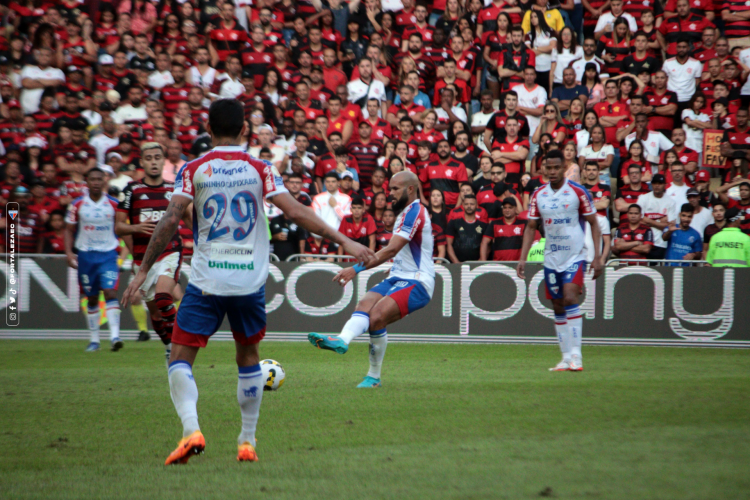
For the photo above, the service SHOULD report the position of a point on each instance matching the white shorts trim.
(169, 266)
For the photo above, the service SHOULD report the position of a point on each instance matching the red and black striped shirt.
(447, 177)
(507, 238)
(367, 159)
(143, 203)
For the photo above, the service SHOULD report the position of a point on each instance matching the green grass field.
(452, 421)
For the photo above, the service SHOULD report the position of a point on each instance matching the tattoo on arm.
(163, 234)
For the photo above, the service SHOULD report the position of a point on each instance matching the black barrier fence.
(472, 302)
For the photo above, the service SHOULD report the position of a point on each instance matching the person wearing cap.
(265, 140)
(34, 79)
(701, 215)
(11, 130)
(346, 182)
(125, 173)
(659, 212)
(683, 242)
(730, 247)
(332, 205)
(505, 235)
(703, 186)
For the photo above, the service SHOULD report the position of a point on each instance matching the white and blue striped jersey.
(414, 261)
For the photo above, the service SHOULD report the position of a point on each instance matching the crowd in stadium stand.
(339, 96)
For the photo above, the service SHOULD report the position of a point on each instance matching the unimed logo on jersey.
(228, 256)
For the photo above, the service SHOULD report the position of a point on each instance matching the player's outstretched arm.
(384, 255)
(159, 240)
(528, 240)
(306, 218)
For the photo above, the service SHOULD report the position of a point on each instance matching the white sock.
(249, 396)
(358, 324)
(184, 395)
(575, 326)
(378, 343)
(563, 335)
(93, 318)
(113, 318)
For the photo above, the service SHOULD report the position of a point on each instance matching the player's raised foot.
(246, 453)
(328, 343)
(92, 347)
(576, 364)
(143, 336)
(117, 344)
(562, 366)
(194, 444)
(369, 383)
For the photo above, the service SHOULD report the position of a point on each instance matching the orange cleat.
(246, 453)
(194, 444)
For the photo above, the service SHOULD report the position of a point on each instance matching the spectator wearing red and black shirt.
(599, 191)
(257, 58)
(445, 174)
(611, 111)
(629, 193)
(414, 111)
(684, 24)
(660, 104)
(514, 59)
(311, 107)
(458, 212)
(743, 204)
(512, 151)
(614, 47)
(495, 129)
(41, 203)
(11, 130)
(359, 226)
(367, 152)
(54, 238)
(736, 141)
(226, 34)
(318, 246)
(633, 240)
(420, 26)
(504, 235)
(497, 190)
(736, 20)
(172, 95)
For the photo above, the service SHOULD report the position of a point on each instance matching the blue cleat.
(369, 383)
(92, 347)
(328, 343)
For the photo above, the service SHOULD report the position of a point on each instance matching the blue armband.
(358, 268)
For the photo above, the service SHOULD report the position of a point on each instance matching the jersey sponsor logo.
(152, 215)
(560, 248)
(91, 227)
(564, 220)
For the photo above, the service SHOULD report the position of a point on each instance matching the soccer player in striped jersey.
(409, 286)
(564, 207)
(144, 204)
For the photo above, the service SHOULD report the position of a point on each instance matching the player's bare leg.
(358, 324)
(113, 318)
(249, 397)
(184, 394)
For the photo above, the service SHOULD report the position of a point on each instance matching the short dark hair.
(226, 117)
(341, 151)
(331, 175)
(636, 206)
(357, 200)
(555, 153)
(687, 208)
(591, 163)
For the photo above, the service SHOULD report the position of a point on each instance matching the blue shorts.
(200, 316)
(410, 295)
(98, 271)
(555, 280)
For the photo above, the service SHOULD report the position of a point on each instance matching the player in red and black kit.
(445, 174)
(142, 207)
(504, 234)
(359, 226)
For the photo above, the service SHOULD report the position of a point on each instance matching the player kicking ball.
(143, 205)
(563, 207)
(91, 230)
(229, 268)
(408, 288)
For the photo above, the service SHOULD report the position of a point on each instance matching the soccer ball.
(273, 374)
